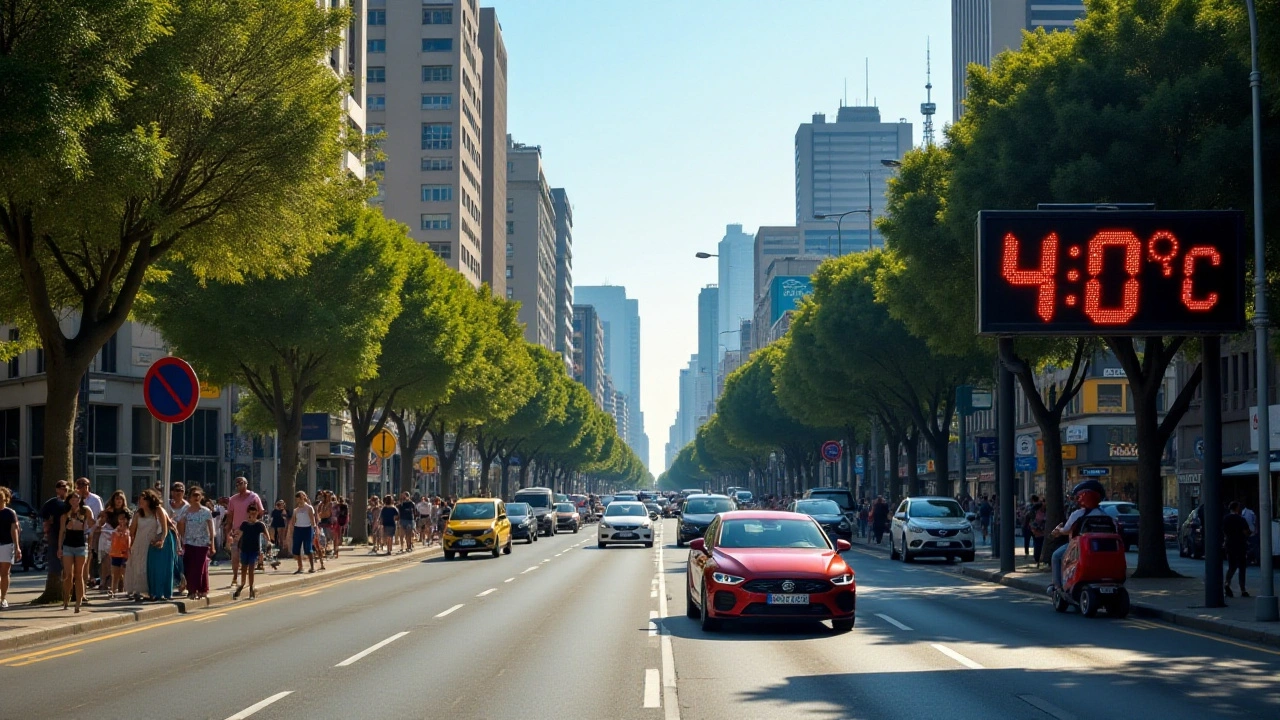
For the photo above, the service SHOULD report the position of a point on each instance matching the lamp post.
(1266, 609)
(705, 255)
(839, 218)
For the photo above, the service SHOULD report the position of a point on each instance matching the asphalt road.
(561, 629)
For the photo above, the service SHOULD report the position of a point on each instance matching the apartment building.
(531, 243)
(493, 154)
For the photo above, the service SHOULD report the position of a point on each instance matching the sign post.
(384, 446)
(172, 392)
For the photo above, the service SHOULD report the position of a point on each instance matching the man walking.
(51, 512)
(238, 512)
(1252, 519)
(1235, 536)
(92, 501)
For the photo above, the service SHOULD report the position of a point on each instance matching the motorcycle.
(1093, 571)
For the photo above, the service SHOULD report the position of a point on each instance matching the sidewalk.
(23, 624)
(1179, 601)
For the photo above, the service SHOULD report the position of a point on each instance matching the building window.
(10, 447)
(39, 360)
(511, 293)
(437, 221)
(511, 205)
(1111, 397)
(511, 249)
(510, 272)
(377, 166)
(437, 193)
(437, 45)
(376, 74)
(377, 102)
(378, 45)
(13, 363)
(441, 101)
(442, 250)
(437, 16)
(437, 73)
(431, 164)
(107, 360)
(377, 17)
(437, 136)
(511, 226)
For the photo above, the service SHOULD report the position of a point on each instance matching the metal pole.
(871, 243)
(839, 239)
(1004, 424)
(167, 432)
(1211, 485)
(1266, 609)
(964, 452)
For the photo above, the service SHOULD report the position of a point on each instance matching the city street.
(562, 629)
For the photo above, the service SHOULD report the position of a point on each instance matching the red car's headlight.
(726, 579)
(845, 579)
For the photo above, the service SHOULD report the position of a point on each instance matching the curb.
(125, 616)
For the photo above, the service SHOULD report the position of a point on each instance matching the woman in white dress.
(144, 530)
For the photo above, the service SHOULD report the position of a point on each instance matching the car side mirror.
(900, 516)
(502, 517)
(698, 545)
(971, 517)
(843, 545)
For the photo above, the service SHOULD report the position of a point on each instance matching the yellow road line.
(202, 618)
(49, 657)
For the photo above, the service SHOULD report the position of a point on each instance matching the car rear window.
(839, 498)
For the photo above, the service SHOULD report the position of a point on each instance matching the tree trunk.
(524, 472)
(895, 488)
(290, 442)
(62, 379)
(486, 462)
(913, 463)
(360, 490)
(504, 473)
(942, 461)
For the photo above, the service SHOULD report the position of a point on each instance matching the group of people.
(396, 521)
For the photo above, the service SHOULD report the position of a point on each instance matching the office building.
(588, 352)
(773, 242)
(493, 154)
(563, 210)
(737, 282)
(787, 280)
(839, 168)
(708, 329)
(424, 84)
(531, 236)
(620, 317)
(982, 29)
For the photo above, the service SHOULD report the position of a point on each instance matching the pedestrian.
(863, 514)
(984, 519)
(407, 523)
(1235, 540)
(374, 507)
(105, 529)
(238, 508)
(92, 501)
(10, 545)
(143, 530)
(1038, 527)
(1027, 515)
(279, 525)
(73, 548)
(119, 552)
(174, 508)
(324, 510)
(388, 516)
(250, 535)
(162, 555)
(341, 517)
(51, 513)
(1252, 520)
(219, 511)
(440, 518)
(302, 530)
(423, 509)
(879, 518)
(197, 532)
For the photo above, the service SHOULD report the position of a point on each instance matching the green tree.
(136, 131)
(295, 342)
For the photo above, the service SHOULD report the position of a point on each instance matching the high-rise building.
(423, 79)
(588, 352)
(531, 234)
(772, 243)
(838, 169)
(708, 329)
(687, 415)
(493, 155)
(982, 29)
(737, 279)
(564, 270)
(620, 317)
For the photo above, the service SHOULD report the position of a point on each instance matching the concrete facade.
(493, 155)
(347, 61)
(736, 262)
(564, 271)
(708, 329)
(424, 77)
(531, 267)
(588, 353)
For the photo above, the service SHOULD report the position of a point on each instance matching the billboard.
(785, 293)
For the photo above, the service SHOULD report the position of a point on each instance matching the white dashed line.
(957, 657)
(256, 707)
(547, 560)
(892, 622)
(351, 660)
(670, 693)
(486, 592)
(508, 580)
(652, 688)
(446, 612)
(529, 570)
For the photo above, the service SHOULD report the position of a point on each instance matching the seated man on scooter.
(1088, 495)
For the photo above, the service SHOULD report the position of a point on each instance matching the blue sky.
(666, 120)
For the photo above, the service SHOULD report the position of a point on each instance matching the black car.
(1126, 516)
(840, 496)
(524, 522)
(697, 514)
(827, 513)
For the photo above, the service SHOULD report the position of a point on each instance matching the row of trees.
(1146, 101)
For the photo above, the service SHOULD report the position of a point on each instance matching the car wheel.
(600, 544)
(1118, 607)
(690, 610)
(497, 550)
(1128, 547)
(679, 542)
(575, 529)
(1090, 602)
(461, 554)
(649, 544)
(968, 557)
(533, 537)
(893, 549)
(1059, 602)
(448, 554)
(709, 624)
(842, 626)
(506, 549)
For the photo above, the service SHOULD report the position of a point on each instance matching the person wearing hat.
(1088, 494)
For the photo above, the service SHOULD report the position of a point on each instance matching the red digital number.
(1042, 278)
(1093, 288)
(1188, 285)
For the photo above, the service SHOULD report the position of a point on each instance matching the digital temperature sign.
(1099, 272)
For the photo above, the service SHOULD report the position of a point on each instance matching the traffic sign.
(427, 463)
(831, 451)
(384, 444)
(171, 390)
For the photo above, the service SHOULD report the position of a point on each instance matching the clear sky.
(668, 119)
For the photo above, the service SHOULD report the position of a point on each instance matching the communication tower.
(928, 107)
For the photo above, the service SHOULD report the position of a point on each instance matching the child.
(120, 543)
(250, 534)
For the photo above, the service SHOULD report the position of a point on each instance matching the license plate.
(775, 599)
(625, 536)
(1106, 590)
(466, 542)
(945, 543)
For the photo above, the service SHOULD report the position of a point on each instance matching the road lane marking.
(446, 612)
(215, 616)
(956, 656)
(653, 626)
(529, 570)
(547, 560)
(652, 688)
(670, 693)
(508, 580)
(256, 707)
(892, 622)
(42, 659)
(486, 592)
(363, 653)
(1046, 707)
(309, 594)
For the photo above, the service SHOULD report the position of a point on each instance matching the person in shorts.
(423, 509)
(250, 535)
(388, 518)
(10, 547)
(119, 552)
(407, 524)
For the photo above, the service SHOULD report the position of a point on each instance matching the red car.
(758, 564)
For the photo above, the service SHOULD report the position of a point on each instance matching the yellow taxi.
(477, 525)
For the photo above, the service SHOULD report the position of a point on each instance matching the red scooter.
(1094, 570)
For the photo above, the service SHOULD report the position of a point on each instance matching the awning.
(1249, 468)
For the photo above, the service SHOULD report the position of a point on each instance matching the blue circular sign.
(171, 390)
(831, 451)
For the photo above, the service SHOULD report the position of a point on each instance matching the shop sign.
(1076, 433)
(1095, 471)
(1122, 451)
(986, 447)
(1024, 464)
(1190, 478)
(1068, 452)
(1113, 372)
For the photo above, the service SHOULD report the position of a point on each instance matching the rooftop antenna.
(867, 97)
(928, 107)
(845, 100)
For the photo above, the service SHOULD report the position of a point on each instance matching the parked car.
(842, 497)
(1126, 516)
(524, 523)
(930, 527)
(827, 513)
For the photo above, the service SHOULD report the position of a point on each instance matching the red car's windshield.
(769, 533)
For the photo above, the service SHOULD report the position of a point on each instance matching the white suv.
(930, 527)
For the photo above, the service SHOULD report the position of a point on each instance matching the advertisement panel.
(785, 293)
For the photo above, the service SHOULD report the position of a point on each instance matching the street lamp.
(704, 255)
(1266, 609)
(839, 217)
